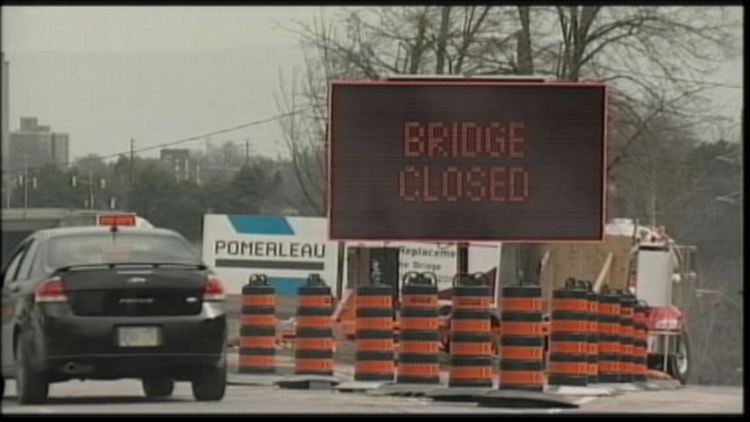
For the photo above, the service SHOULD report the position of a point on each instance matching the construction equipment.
(646, 262)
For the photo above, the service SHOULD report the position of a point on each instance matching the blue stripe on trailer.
(260, 224)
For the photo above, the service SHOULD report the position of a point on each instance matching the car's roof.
(66, 231)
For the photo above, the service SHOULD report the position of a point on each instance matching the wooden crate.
(584, 261)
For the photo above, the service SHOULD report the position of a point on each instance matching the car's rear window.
(104, 248)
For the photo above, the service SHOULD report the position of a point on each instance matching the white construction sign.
(285, 249)
(439, 258)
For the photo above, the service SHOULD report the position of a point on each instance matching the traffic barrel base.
(571, 380)
(521, 375)
(470, 372)
(416, 368)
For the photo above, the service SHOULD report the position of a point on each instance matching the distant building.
(37, 146)
(178, 161)
(221, 162)
(4, 141)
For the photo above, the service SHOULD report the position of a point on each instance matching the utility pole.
(129, 191)
(247, 152)
(91, 188)
(132, 160)
(8, 189)
(462, 258)
(25, 184)
(653, 193)
(75, 181)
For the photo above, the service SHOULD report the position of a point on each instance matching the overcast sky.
(157, 74)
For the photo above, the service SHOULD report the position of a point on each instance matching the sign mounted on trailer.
(286, 249)
(467, 160)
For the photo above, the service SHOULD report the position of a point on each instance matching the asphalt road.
(125, 396)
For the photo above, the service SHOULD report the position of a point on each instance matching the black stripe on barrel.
(510, 316)
(373, 334)
(520, 341)
(523, 292)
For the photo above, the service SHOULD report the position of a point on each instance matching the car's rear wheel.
(210, 384)
(32, 386)
(158, 387)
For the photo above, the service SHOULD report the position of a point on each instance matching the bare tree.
(655, 56)
(303, 134)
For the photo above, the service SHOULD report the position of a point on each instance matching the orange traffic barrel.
(470, 335)
(521, 339)
(313, 345)
(258, 327)
(640, 343)
(593, 336)
(569, 336)
(419, 337)
(374, 333)
(627, 368)
(609, 337)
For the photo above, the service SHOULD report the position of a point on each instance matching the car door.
(10, 294)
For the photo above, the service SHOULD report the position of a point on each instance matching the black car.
(112, 302)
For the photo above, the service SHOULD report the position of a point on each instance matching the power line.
(179, 141)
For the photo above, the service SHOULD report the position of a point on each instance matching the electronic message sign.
(466, 160)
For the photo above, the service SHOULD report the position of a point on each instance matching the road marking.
(584, 400)
(37, 409)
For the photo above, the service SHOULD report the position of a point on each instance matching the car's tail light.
(213, 290)
(50, 291)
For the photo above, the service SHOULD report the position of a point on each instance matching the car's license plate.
(138, 336)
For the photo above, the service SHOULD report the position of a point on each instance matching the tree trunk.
(419, 45)
(523, 46)
(442, 41)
